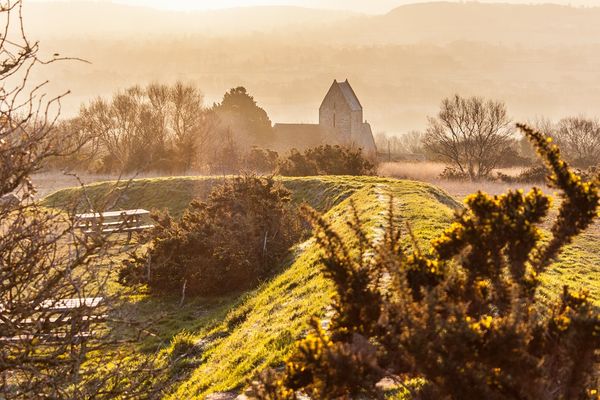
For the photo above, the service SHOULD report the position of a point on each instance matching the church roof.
(299, 136)
(349, 95)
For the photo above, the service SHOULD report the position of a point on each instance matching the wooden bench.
(127, 221)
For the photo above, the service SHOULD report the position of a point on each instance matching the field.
(228, 340)
(430, 171)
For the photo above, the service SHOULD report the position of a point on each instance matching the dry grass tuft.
(417, 171)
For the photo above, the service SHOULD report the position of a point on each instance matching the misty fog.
(542, 60)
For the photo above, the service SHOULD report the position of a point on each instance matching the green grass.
(242, 334)
(578, 267)
(172, 194)
(175, 193)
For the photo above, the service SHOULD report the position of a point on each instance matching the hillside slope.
(257, 329)
(278, 313)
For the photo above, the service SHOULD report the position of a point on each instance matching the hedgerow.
(326, 160)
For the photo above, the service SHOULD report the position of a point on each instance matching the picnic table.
(65, 323)
(62, 318)
(126, 221)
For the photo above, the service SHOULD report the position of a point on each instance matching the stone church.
(340, 122)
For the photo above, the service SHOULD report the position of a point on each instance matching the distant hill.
(438, 22)
(89, 19)
(442, 22)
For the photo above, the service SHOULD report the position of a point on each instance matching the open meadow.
(427, 171)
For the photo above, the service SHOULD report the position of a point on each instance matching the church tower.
(342, 114)
(341, 111)
(340, 123)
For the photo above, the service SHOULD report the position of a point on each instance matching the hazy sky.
(372, 6)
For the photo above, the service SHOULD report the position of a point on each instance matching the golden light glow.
(370, 6)
(189, 5)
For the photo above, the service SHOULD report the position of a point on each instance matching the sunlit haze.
(370, 6)
(402, 56)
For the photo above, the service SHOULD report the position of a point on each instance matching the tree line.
(169, 129)
(476, 135)
(166, 128)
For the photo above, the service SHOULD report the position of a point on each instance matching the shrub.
(454, 174)
(464, 317)
(510, 157)
(261, 160)
(539, 174)
(297, 164)
(183, 344)
(326, 160)
(534, 174)
(230, 242)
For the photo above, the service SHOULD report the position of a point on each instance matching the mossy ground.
(241, 334)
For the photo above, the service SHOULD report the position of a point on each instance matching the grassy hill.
(226, 341)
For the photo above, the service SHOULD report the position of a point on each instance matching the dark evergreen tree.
(239, 112)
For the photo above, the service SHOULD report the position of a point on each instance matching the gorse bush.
(464, 318)
(261, 160)
(326, 160)
(230, 242)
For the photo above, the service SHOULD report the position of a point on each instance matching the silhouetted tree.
(226, 155)
(44, 259)
(579, 139)
(249, 123)
(192, 126)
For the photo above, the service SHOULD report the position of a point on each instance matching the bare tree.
(45, 264)
(471, 133)
(36, 264)
(192, 125)
(156, 127)
(412, 142)
(542, 124)
(118, 128)
(579, 138)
